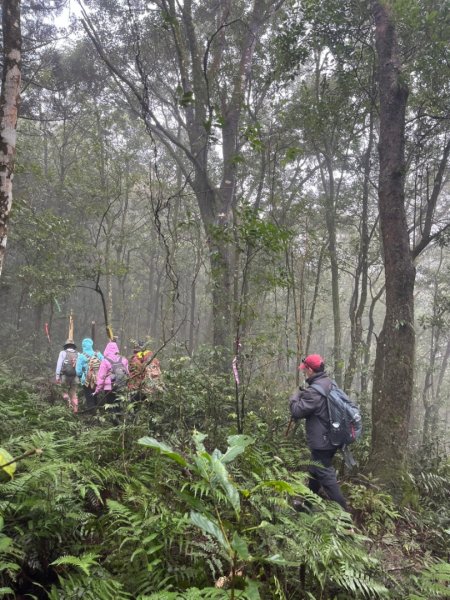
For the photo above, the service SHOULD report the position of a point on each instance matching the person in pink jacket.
(113, 374)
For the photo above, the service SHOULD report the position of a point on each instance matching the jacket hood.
(111, 350)
(88, 346)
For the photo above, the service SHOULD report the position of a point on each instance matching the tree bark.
(9, 106)
(394, 363)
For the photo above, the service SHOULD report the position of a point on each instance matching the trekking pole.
(292, 422)
(288, 429)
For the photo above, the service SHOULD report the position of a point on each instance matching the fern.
(85, 562)
(99, 586)
(99, 516)
(433, 582)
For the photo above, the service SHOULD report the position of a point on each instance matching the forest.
(241, 198)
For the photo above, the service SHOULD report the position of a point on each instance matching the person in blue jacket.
(87, 366)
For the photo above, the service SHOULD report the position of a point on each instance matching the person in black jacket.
(310, 405)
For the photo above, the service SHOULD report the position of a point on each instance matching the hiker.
(310, 405)
(144, 373)
(112, 375)
(66, 374)
(88, 364)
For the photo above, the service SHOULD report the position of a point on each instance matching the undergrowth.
(153, 509)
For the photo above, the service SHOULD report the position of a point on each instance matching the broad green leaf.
(5, 542)
(208, 526)
(224, 480)
(237, 445)
(203, 465)
(251, 589)
(239, 545)
(164, 449)
(6, 473)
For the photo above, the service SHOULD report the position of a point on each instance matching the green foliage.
(432, 582)
(196, 396)
(374, 507)
(255, 526)
(261, 234)
(100, 516)
(55, 253)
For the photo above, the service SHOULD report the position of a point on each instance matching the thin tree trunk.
(192, 309)
(314, 300)
(330, 215)
(367, 348)
(156, 305)
(357, 308)
(9, 106)
(439, 398)
(299, 303)
(429, 399)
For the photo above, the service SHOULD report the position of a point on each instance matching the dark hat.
(69, 343)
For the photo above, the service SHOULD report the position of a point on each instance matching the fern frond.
(84, 562)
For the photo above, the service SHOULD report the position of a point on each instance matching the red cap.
(312, 361)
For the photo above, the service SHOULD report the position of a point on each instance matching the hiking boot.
(299, 506)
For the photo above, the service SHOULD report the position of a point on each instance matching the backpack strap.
(114, 362)
(319, 388)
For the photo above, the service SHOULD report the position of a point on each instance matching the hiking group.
(109, 375)
(332, 421)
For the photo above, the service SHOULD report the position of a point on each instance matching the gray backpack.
(119, 375)
(69, 364)
(344, 415)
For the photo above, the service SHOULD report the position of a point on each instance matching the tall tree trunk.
(394, 364)
(9, 106)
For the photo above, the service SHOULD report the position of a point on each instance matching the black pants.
(138, 396)
(325, 476)
(91, 400)
(113, 399)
